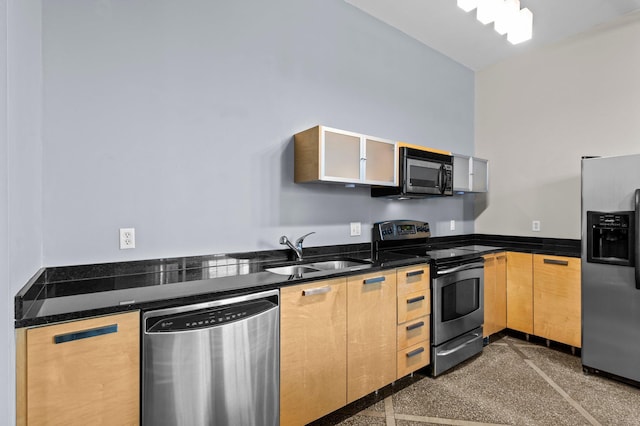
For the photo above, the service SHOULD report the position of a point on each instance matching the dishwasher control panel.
(207, 318)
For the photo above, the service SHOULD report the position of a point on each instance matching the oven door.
(458, 300)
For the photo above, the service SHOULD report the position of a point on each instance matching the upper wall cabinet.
(470, 174)
(323, 154)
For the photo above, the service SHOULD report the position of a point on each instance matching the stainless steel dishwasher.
(213, 363)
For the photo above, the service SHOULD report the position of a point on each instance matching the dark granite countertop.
(57, 294)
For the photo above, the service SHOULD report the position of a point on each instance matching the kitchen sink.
(291, 270)
(338, 264)
(326, 266)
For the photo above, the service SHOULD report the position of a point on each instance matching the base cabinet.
(543, 296)
(495, 293)
(313, 350)
(371, 333)
(80, 372)
(520, 292)
(556, 299)
(337, 343)
(414, 316)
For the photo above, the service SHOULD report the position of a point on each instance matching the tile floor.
(513, 382)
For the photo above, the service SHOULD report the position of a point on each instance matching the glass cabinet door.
(325, 154)
(461, 173)
(341, 155)
(380, 165)
(470, 174)
(480, 175)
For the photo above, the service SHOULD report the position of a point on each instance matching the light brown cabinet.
(80, 372)
(543, 296)
(495, 293)
(313, 350)
(556, 299)
(371, 332)
(520, 292)
(414, 311)
(324, 154)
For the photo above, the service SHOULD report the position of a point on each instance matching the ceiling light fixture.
(467, 5)
(507, 16)
(488, 10)
(522, 28)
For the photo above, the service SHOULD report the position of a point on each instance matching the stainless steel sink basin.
(324, 266)
(337, 264)
(291, 270)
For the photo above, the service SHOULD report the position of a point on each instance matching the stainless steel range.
(457, 288)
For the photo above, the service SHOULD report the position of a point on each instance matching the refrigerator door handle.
(636, 237)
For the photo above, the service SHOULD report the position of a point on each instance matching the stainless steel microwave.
(422, 173)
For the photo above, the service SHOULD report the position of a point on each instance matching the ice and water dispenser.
(610, 237)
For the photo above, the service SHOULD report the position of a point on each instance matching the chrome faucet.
(297, 248)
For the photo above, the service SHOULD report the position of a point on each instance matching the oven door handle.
(465, 267)
(457, 348)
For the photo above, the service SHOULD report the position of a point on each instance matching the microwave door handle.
(636, 237)
(441, 179)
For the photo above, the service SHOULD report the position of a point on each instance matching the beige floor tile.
(512, 382)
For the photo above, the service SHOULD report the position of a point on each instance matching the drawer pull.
(416, 325)
(374, 280)
(314, 291)
(415, 299)
(85, 334)
(414, 273)
(556, 262)
(415, 352)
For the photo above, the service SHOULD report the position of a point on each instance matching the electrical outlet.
(355, 229)
(535, 226)
(127, 238)
(452, 225)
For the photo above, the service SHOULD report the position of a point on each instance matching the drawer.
(413, 305)
(413, 358)
(413, 332)
(413, 278)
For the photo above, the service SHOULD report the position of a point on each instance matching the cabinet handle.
(416, 325)
(314, 291)
(85, 334)
(415, 352)
(374, 280)
(414, 273)
(556, 262)
(415, 299)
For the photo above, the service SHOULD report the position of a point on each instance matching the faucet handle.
(284, 239)
(301, 239)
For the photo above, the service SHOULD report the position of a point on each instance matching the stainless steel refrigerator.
(611, 266)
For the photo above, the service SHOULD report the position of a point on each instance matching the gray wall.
(177, 118)
(6, 292)
(538, 113)
(21, 164)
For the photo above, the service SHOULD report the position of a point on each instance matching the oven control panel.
(400, 230)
